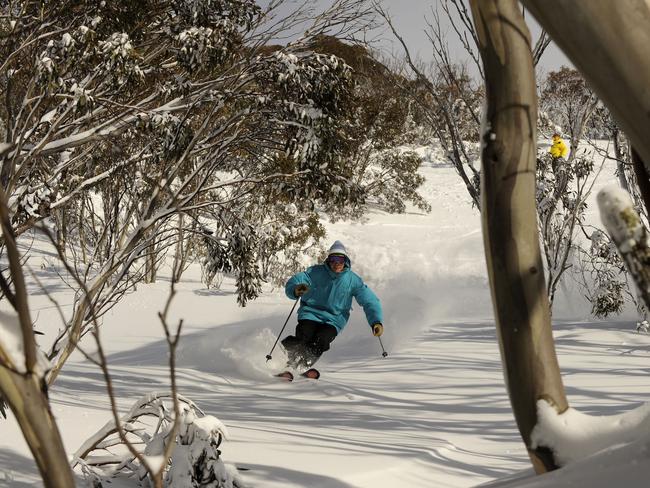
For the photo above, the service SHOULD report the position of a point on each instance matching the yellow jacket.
(559, 149)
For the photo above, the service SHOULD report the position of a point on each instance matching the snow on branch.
(109, 128)
(12, 346)
(11, 342)
(196, 459)
(628, 233)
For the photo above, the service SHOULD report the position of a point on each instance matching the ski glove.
(300, 290)
(377, 329)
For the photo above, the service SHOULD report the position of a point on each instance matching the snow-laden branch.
(5, 148)
(12, 349)
(109, 128)
(90, 182)
(195, 460)
(628, 233)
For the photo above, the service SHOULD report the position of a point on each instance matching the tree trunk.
(61, 229)
(608, 42)
(509, 220)
(641, 172)
(620, 161)
(26, 395)
(82, 233)
(150, 259)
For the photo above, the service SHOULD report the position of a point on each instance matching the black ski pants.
(312, 339)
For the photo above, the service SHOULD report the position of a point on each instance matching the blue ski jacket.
(329, 298)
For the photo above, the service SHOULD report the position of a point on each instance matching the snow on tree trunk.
(509, 219)
(628, 233)
(575, 436)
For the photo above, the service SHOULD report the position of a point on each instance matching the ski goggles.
(336, 259)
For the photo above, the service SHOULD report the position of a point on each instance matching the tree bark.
(509, 220)
(608, 42)
(150, 259)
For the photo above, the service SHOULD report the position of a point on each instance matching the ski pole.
(268, 356)
(384, 353)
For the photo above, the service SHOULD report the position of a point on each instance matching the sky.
(433, 413)
(410, 18)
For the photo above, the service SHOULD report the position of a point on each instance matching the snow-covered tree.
(377, 173)
(449, 98)
(196, 460)
(604, 280)
(380, 126)
(23, 367)
(119, 118)
(569, 101)
(561, 192)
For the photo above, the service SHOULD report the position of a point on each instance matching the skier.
(559, 152)
(325, 292)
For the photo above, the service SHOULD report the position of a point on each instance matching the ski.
(312, 374)
(285, 375)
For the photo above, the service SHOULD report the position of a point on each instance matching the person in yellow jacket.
(559, 152)
(558, 148)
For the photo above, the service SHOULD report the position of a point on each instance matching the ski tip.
(312, 374)
(285, 375)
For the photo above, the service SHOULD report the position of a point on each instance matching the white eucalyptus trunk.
(509, 219)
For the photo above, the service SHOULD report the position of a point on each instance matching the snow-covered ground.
(434, 413)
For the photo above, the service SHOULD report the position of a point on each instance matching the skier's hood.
(339, 248)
